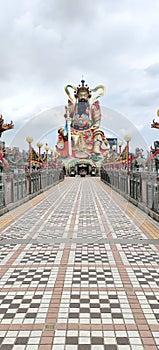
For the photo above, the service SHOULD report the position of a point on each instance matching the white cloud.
(46, 44)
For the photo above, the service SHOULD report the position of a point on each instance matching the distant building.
(112, 142)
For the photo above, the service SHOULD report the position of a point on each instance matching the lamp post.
(52, 156)
(127, 138)
(51, 150)
(39, 145)
(47, 149)
(114, 149)
(120, 145)
(29, 139)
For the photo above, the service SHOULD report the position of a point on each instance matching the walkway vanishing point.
(79, 269)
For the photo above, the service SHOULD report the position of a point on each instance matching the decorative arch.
(50, 120)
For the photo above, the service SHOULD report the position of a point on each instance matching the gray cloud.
(46, 44)
(153, 69)
(146, 98)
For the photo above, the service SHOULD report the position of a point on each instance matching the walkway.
(79, 270)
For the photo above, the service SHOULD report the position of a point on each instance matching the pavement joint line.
(79, 241)
(96, 201)
(105, 224)
(52, 317)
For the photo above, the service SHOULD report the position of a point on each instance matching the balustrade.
(14, 188)
(141, 188)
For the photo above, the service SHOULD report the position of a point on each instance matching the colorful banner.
(34, 157)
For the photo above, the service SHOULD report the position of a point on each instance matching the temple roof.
(4, 127)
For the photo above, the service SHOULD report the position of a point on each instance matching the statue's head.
(82, 93)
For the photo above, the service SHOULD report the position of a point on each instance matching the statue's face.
(83, 96)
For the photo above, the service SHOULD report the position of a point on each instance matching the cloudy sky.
(48, 44)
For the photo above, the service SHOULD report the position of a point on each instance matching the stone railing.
(15, 189)
(140, 188)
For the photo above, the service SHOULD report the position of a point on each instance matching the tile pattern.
(58, 294)
(39, 257)
(4, 257)
(23, 307)
(95, 307)
(140, 258)
(95, 276)
(29, 277)
(40, 246)
(22, 340)
(144, 277)
(150, 305)
(87, 340)
(121, 226)
(140, 247)
(93, 254)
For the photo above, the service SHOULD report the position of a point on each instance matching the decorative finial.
(82, 81)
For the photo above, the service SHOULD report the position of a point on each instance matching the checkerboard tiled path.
(79, 270)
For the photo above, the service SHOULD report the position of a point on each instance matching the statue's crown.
(82, 92)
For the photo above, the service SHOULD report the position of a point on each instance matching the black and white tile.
(93, 277)
(39, 257)
(140, 258)
(29, 277)
(149, 302)
(95, 307)
(21, 307)
(144, 277)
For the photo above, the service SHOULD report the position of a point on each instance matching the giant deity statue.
(82, 137)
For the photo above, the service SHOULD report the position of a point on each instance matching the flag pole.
(68, 119)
